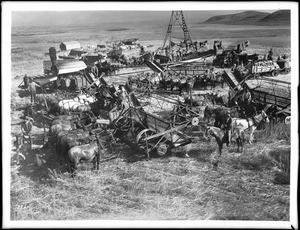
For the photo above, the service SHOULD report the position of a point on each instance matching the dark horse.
(219, 113)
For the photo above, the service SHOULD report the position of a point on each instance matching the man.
(73, 84)
(32, 90)
(94, 70)
(227, 126)
(122, 97)
(25, 79)
(270, 56)
(246, 97)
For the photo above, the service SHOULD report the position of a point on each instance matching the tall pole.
(177, 16)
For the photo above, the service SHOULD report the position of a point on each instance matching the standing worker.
(25, 79)
(227, 126)
(122, 97)
(246, 97)
(32, 90)
(270, 55)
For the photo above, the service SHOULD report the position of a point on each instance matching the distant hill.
(281, 17)
(244, 18)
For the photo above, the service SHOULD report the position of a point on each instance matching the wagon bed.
(148, 133)
(271, 92)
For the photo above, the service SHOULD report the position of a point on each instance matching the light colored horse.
(89, 99)
(79, 103)
(221, 137)
(250, 123)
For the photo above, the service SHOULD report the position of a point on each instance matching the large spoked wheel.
(144, 143)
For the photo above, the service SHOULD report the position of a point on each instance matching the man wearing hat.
(32, 90)
(227, 126)
(25, 79)
(270, 55)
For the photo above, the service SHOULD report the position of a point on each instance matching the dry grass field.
(253, 185)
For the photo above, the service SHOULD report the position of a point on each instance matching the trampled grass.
(171, 188)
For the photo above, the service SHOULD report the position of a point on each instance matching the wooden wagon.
(271, 92)
(261, 68)
(148, 134)
(285, 65)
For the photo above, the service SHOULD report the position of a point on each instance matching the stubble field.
(248, 186)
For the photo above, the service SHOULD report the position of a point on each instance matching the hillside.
(280, 17)
(247, 18)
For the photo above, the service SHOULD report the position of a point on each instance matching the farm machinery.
(264, 68)
(285, 65)
(149, 134)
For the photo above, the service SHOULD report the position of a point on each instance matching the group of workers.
(68, 83)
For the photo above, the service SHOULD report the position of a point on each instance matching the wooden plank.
(231, 80)
(275, 80)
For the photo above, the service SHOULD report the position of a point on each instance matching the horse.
(68, 139)
(209, 112)
(176, 82)
(219, 79)
(155, 79)
(167, 82)
(219, 113)
(202, 82)
(216, 112)
(221, 137)
(187, 85)
(86, 153)
(71, 104)
(250, 123)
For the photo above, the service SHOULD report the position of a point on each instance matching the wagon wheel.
(143, 143)
(162, 149)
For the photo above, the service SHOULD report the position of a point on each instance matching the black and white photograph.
(150, 114)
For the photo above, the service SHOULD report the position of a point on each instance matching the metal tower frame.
(177, 16)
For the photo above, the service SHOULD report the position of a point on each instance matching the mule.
(250, 123)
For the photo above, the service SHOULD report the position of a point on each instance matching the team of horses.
(183, 83)
(75, 134)
(180, 83)
(239, 125)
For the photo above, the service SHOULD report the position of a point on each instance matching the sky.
(44, 18)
